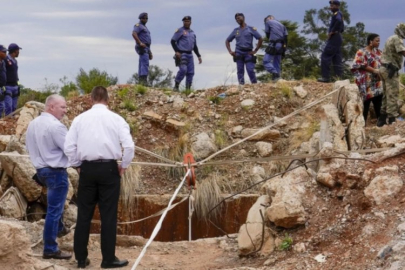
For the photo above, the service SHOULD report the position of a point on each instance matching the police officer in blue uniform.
(333, 49)
(3, 78)
(12, 85)
(184, 42)
(277, 34)
(142, 38)
(244, 55)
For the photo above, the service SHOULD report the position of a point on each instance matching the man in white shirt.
(45, 140)
(94, 143)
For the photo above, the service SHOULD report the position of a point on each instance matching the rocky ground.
(350, 216)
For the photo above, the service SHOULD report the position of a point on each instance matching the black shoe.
(324, 80)
(114, 264)
(391, 120)
(188, 86)
(63, 232)
(83, 263)
(176, 87)
(382, 120)
(59, 255)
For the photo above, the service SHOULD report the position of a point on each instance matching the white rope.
(271, 125)
(132, 163)
(159, 224)
(190, 214)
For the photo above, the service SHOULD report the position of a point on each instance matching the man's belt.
(52, 168)
(187, 52)
(99, 161)
(245, 49)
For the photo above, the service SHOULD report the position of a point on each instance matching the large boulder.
(28, 112)
(13, 204)
(251, 235)
(286, 193)
(20, 169)
(385, 185)
(332, 129)
(203, 146)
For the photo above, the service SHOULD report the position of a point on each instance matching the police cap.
(239, 14)
(13, 47)
(335, 2)
(143, 14)
(186, 18)
(2, 48)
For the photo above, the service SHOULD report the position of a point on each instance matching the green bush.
(128, 105)
(140, 89)
(95, 77)
(28, 94)
(287, 242)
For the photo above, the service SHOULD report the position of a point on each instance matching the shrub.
(95, 77)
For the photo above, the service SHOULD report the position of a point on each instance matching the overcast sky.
(60, 37)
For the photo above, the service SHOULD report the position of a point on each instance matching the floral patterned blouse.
(369, 83)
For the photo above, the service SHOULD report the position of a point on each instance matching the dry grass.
(207, 195)
(130, 183)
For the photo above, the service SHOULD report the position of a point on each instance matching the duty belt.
(187, 52)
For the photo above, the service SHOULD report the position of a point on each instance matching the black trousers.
(377, 102)
(99, 183)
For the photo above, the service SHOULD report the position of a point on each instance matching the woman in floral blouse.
(365, 68)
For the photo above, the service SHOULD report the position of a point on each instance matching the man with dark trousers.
(3, 78)
(12, 86)
(93, 145)
(244, 54)
(332, 53)
(142, 38)
(184, 42)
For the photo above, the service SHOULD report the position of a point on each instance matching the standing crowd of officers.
(9, 82)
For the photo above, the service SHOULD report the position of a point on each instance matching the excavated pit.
(175, 226)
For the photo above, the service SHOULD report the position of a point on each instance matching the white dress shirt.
(45, 140)
(99, 134)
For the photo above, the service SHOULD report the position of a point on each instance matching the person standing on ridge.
(141, 35)
(244, 55)
(13, 84)
(184, 42)
(332, 53)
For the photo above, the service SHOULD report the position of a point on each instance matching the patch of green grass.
(215, 100)
(188, 91)
(286, 90)
(287, 242)
(129, 105)
(122, 93)
(133, 128)
(140, 89)
(221, 138)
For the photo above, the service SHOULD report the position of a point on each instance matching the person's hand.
(178, 55)
(150, 56)
(143, 45)
(232, 53)
(121, 170)
(376, 71)
(252, 52)
(199, 60)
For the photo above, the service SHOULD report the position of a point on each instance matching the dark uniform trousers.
(332, 54)
(99, 183)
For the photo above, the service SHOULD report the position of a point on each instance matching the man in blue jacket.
(141, 35)
(12, 85)
(332, 52)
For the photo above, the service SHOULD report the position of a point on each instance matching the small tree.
(67, 87)
(157, 77)
(87, 81)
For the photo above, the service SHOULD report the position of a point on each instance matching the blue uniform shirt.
(276, 30)
(336, 23)
(143, 33)
(244, 37)
(3, 77)
(185, 39)
(12, 70)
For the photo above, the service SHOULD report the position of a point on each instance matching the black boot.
(323, 80)
(391, 120)
(275, 77)
(176, 86)
(382, 120)
(188, 86)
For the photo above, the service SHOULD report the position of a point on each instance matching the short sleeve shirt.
(275, 29)
(143, 33)
(185, 39)
(244, 37)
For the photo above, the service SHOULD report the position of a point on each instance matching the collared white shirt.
(45, 140)
(99, 134)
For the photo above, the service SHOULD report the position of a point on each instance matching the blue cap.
(186, 18)
(2, 48)
(13, 47)
(143, 14)
(335, 2)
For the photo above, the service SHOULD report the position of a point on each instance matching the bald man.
(45, 140)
